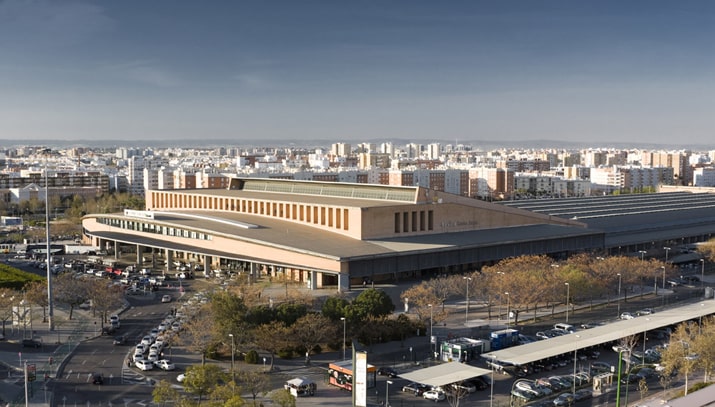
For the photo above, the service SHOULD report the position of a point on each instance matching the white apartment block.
(704, 177)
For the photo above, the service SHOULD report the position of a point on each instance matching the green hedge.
(15, 279)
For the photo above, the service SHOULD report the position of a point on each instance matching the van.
(564, 327)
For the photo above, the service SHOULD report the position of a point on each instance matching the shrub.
(251, 357)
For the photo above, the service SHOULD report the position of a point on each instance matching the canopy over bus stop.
(444, 374)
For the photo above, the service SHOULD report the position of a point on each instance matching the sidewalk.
(47, 359)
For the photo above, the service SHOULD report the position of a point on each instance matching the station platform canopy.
(444, 374)
(540, 350)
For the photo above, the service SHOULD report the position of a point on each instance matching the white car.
(143, 364)
(627, 315)
(147, 340)
(166, 298)
(434, 395)
(180, 378)
(164, 364)
(153, 357)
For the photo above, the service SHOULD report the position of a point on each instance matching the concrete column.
(207, 265)
(253, 273)
(140, 248)
(343, 283)
(167, 255)
(313, 276)
(116, 250)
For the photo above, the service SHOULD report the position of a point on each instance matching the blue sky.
(626, 71)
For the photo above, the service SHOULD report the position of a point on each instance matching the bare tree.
(311, 330)
(199, 332)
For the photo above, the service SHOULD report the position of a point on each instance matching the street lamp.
(387, 393)
(667, 249)
(508, 298)
(619, 295)
(466, 313)
(568, 287)
(663, 267)
(233, 357)
(344, 322)
(702, 273)
(430, 323)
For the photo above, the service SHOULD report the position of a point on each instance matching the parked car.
(166, 298)
(564, 399)
(416, 388)
(120, 340)
(434, 395)
(31, 343)
(627, 315)
(386, 371)
(97, 378)
(583, 394)
(143, 364)
(164, 364)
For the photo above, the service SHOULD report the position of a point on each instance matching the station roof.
(634, 218)
(444, 374)
(539, 350)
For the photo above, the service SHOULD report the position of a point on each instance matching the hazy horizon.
(591, 73)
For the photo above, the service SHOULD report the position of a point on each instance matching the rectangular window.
(397, 223)
(422, 220)
(414, 221)
(405, 222)
(430, 220)
(345, 219)
(337, 218)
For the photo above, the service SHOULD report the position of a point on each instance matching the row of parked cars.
(440, 393)
(148, 353)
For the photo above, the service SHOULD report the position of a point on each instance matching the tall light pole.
(619, 295)
(567, 301)
(466, 312)
(702, 273)
(573, 390)
(667, 249)
(431, 315)
(642, 252)
(387, 393)
(344, 323)
(508, 303)
(233, 357)
(663, 267)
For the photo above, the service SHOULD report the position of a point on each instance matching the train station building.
(335, 235)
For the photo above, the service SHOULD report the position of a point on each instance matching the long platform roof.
(539, 350)
(634, 218)
(444, 374)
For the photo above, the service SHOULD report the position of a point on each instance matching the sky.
(626, 71)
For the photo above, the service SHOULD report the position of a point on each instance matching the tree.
(311, 330)
(226, 395)
(200, 380)
(7, 299)
(419, 297)
(704, 347)
(271, 337)
(254, 382)
(334, 308)
(105, 297)
(199, 332)
(164, 393)
(70, 291)
(679, 356)
(283, 398)
(288, 313)
(371, 303)
(36, 293)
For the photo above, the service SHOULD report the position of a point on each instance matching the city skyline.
(587, 73)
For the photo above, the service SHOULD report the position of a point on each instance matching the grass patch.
(15, 279)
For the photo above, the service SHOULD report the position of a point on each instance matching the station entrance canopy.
(444, 374)
(539, 350)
